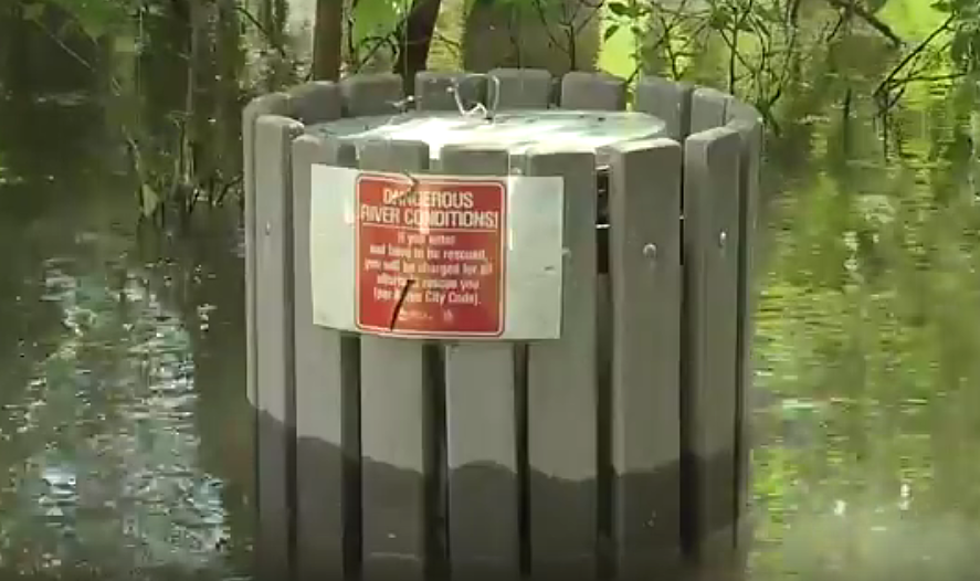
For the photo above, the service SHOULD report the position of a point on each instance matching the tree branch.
(871, 19)
(883, 85)
(265, 32)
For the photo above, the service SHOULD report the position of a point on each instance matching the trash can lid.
(515, 130)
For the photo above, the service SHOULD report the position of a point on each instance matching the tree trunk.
(267, 16)
(413, 50)
(557, 35)
(327, 39)
(230, 64)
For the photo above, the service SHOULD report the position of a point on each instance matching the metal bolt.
(650, 251)
(268, 228)
(722, 239)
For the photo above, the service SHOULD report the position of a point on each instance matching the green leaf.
(720, 20)
(620, 9)
(610, 32)
(769, 13)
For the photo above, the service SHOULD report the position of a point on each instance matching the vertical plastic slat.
(562, 398)
(600, 92)
(326, 382)
(271, 104)
(482, 432)
(274, 326)
(746, 120)
(645, 208)
(275, 103)
(522, 88)
(394, 415)
(371, 94)
(315, 102)
(708, 108)
(433, 91)
(593, 91)
(709, 392)
(667, 100)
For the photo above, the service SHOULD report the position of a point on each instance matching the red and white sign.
(430, 255)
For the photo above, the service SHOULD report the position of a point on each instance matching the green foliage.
(753, 48)
(550, 8)
(375, 29)
(377, 17)
(965, 46)
(94, 18)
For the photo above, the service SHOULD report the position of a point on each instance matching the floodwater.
(124, 453)
(867, 382)
(123, 445)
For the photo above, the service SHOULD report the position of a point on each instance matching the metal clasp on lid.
(487, 110)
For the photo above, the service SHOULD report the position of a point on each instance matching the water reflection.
(105, 464)
(122, 453)
(867, 373)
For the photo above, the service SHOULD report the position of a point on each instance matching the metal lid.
(515, 130)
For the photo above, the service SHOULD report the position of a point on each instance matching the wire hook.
(487, 110)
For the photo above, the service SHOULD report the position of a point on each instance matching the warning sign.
(430, 255)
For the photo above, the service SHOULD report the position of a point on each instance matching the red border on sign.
(442, 180)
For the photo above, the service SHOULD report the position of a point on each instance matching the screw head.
(268, 228)
(650, 251)
(722, 239)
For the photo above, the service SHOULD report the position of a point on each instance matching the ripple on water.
(103, 470)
